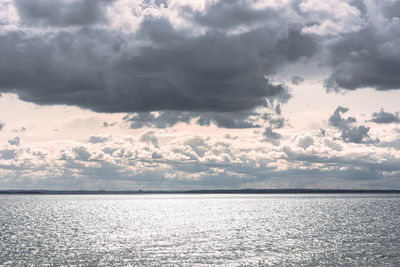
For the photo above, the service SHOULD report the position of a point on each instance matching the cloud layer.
(305, 160)
(157, 67)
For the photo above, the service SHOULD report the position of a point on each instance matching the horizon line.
(197, 191)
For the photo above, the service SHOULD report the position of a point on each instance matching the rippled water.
(199, 229)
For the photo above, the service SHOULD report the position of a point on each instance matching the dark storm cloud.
(385, 117)
(158, 68)
(349, 132)
(61, 13)
(369, 57)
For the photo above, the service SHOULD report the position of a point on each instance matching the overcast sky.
(158, 94)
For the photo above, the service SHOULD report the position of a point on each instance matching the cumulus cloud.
(2, 124)
(349, 132)
(81, 153)
(385, 117)
(304, 141)
(358, 63)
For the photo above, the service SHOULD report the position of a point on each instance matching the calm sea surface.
(230, 230)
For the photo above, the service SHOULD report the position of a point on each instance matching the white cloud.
(331, 17)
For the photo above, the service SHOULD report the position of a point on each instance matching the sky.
(205, 94)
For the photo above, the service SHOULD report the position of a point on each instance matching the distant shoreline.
(222, 191)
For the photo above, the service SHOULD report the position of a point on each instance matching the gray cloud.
(149, 137)
(241, 119)
(81, 153)
(94, 139)
(230, 14)
(349, 132)
(356, 134)
(230, 120)
(159, 68)
(61, 13)
(210, 77)
(337, 121)
(305, 141)
(391, 9)
(271, 136)
(8, 154)
(2, 124)
(15, 141)
(276, 123)
(360, 5)
(369, 57)
(163, 120)
(108, 124)
(296, 80)
(385, 117)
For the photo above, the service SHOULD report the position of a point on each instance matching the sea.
(200, 230)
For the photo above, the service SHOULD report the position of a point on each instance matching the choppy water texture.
(199, 230)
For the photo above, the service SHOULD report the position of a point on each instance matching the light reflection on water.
(192, 230)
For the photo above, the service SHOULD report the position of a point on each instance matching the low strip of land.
(218, 191)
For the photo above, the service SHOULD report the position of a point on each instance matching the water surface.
(231, 230)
